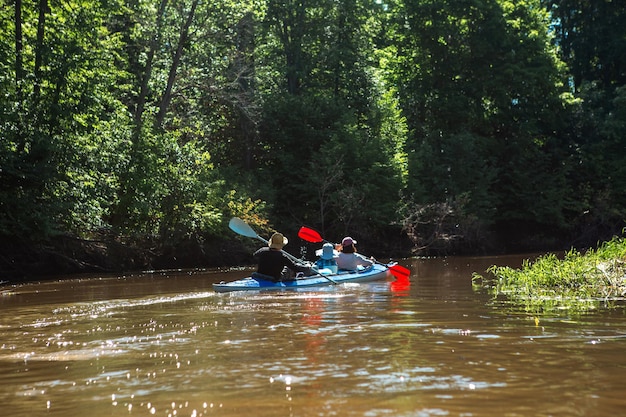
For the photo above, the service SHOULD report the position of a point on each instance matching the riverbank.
(23, 261)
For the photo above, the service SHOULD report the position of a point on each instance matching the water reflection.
(167, 345)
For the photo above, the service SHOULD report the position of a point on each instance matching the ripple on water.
(345, 351)
(425, 378)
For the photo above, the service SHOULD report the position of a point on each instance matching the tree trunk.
(19, 72)
(143, 91)
(290, 23)
(41, 26)
(244, 71)
(182, 40)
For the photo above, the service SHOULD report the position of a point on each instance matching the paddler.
(274, 264)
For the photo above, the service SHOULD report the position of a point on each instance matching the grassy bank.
(577, 281)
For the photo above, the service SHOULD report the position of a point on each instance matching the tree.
(590, 35)
(63, 94)
(328, 116)
(480, 86)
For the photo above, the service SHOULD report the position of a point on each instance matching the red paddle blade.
(309, 235)
(399, 272)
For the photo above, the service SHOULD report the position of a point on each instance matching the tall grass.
(577, 281)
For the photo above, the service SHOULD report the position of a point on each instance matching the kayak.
(254, 283)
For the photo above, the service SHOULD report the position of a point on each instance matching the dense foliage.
(466, 125)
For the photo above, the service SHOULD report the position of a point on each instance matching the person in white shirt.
(348, 258)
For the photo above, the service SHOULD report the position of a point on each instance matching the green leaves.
(142, 118)
(576, 282)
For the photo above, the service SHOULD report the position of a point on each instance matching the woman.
(348, 259)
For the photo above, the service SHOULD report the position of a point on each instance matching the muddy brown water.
(165, 344)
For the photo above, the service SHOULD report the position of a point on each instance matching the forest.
(131, 131)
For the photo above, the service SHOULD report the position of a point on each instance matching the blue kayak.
(254, 283)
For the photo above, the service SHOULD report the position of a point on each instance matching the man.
(273, 261)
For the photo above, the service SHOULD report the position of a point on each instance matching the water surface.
(165, 344)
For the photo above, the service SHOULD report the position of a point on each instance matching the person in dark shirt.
(272, 261)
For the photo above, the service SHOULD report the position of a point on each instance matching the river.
(165, 344)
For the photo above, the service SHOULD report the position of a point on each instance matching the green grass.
(575, 282)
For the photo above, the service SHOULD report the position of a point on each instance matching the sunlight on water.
(166, 346)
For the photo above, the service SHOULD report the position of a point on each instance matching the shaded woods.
(132, 131)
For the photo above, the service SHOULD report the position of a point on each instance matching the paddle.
(311, 235)
(240, 227)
